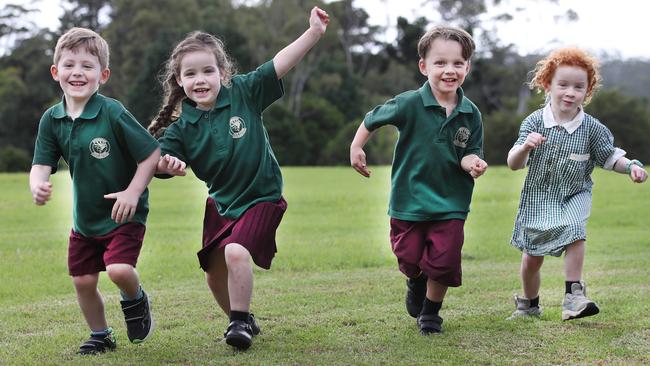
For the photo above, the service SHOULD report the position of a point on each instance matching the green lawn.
(334, 294)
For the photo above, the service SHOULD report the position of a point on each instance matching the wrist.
(628, 166)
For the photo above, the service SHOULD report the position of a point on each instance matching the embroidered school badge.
(237, 127)
(99, 148)
(461, 138)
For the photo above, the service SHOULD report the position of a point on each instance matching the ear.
(178, 81)
(54, 72)
(469, 67)
(423, 67)
(106, 73)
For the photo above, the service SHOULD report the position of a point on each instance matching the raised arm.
(39, 183)
(289, 56)
(518, 155)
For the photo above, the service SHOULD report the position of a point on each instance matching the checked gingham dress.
(556, 198)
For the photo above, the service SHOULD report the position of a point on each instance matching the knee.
(85, 283)
(119, 273)
(531, 263)
(236, 254)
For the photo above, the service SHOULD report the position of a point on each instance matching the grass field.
(334, 295)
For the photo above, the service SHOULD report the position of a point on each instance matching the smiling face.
(200, 78)
(568, 89)
(444, 67)
(79, 74)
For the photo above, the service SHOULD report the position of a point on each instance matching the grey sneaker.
(524, 310)
(576, 304)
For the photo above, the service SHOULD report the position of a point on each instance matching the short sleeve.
(46, 150)
(137, 140)
(172, 143)
(263, 86)
(382, 115)
(475, 143)
(601, 145)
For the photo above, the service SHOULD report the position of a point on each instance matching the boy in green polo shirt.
(437, 157)
(112, 159)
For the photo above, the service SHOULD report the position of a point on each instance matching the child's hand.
(533, 141)
(358, 161)
(42, 193)
(478, 168)
(126, 203)
(318, 20)
(638, 174)
(171, 165)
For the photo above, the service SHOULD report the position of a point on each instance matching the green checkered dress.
(556, 198)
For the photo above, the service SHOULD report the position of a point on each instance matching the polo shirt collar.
(191, 114)
(429, 100)
(570, 126)
(91, 109)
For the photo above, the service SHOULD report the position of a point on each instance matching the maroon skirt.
(254, 230)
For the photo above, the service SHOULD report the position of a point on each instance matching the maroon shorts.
(431, 247)
(87, 255)
(254, 230)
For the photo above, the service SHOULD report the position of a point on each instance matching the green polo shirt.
(102, 147)
(228, 147)
(427, 181)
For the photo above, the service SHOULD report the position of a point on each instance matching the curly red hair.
(568, 56)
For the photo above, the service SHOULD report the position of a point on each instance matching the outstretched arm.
(357, 155)
(126, 201)
(636, 172)
(39, 183)
(289, 56)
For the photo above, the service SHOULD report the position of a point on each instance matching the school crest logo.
(461, 138)
(99, 148)
(237, 127)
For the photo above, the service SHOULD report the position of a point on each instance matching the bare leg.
(217, 278)
(125, 277)
(435, 290)
(240, 276)
(530, 274)
(573, 261)
(90, 301)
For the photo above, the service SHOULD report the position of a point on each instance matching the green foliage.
(351, 70)
(13, 159)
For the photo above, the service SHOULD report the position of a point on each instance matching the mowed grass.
(334, 295)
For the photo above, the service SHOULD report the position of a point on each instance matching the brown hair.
(174, 93)
(449, 34)
(76, 38)
(568, 56)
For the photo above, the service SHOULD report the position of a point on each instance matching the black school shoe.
(98, 344)
(255, 329)
(239, 334)
(416, 290)
(137, 314)
(429, 324)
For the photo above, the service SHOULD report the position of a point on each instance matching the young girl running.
(221, 136)
(561, 144)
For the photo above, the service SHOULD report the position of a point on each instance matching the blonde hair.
(449, 34)
(174, 93)
(567, 56)
(76, 38)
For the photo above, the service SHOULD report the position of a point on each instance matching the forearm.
(621, 165)
(361, 137)
(289, 56)
(144, 172)
(39, 174)
(517, 157)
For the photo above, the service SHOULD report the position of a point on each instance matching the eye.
(438, 62)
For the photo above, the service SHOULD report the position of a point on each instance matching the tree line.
(351, 70)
